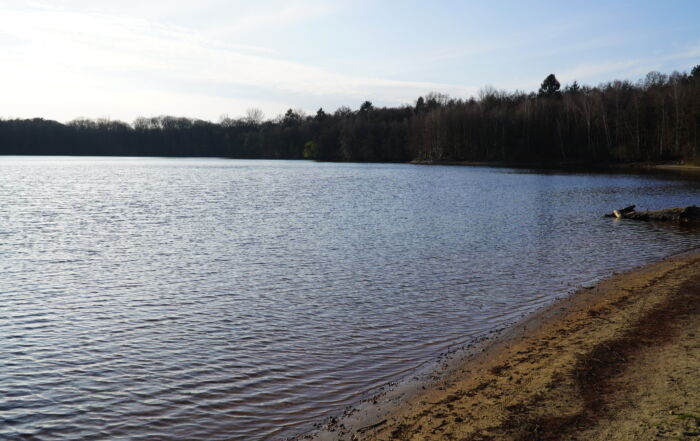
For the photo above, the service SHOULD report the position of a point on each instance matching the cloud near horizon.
(120, 60)
(71, 64)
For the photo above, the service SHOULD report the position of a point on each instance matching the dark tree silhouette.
(366, 108)
(573, 88)
(550, 87)
(655, 119)
(420, 105)
(320, 115)
(695, 72)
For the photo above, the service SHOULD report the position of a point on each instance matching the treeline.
(654, 119)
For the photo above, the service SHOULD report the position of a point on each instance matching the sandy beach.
(617, 361)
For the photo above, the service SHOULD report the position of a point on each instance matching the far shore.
(616, 361)
(562, 165)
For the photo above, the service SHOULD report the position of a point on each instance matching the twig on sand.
(371, 426)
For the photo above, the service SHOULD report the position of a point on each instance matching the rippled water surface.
(207, 299)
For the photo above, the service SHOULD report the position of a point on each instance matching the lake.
(192, 299)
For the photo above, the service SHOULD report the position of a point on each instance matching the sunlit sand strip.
(617, 361)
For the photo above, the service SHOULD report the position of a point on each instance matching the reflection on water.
(212, 299)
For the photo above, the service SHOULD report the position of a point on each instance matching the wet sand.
(617, 361)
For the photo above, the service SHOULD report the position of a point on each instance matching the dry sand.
(619, 361)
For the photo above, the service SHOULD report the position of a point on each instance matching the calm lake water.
(213, 299)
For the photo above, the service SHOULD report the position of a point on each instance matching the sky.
(208, 59)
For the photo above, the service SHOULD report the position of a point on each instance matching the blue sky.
(207, 58)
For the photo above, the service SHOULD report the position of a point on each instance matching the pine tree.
(550, 87)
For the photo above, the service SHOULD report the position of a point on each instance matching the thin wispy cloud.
(582, 72)
(690, 52)
(280, 13)
(626, 68)
(68, 58)
(100, 49)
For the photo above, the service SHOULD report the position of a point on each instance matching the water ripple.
(156, 299)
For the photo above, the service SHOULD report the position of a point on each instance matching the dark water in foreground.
(193, 299)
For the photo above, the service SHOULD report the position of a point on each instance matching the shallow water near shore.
(178, 299)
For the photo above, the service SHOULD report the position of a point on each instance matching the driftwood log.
(623, 211)
(669, 214)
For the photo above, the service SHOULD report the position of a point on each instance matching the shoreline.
(596, 364)
(572, 166)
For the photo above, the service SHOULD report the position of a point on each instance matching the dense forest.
(655, 119)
